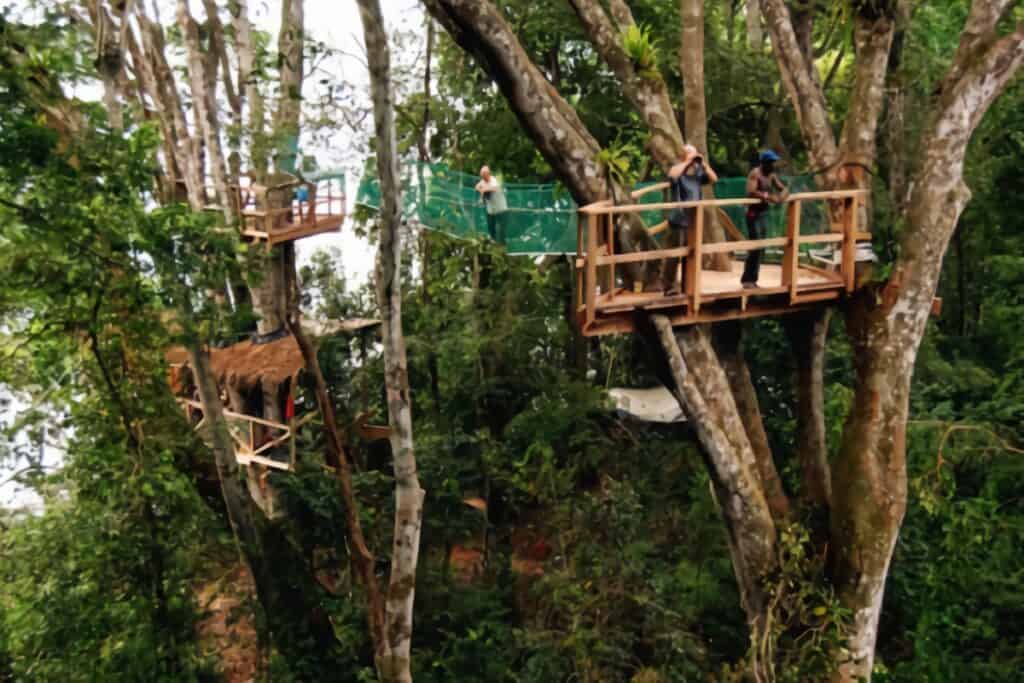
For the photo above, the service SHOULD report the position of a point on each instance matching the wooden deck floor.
(722, 296)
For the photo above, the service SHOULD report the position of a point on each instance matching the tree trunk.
(807, 334)
(393, 661)
(702, 389)
(691, 66)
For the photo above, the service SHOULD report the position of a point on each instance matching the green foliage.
(642, 48)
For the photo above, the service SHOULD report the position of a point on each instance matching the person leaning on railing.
(493, 197)
(760, 182)
(685, 181)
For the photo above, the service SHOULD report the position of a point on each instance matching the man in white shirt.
(493, 197)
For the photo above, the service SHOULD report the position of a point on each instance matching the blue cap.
(769, 155)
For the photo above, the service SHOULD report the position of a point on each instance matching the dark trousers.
(676, 237)
(756, 226)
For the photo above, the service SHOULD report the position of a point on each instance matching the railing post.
(291, 423)
(577, 265)
(590, 263)
(610, 273)
(791, 258)
(693, 260)
(850, 243)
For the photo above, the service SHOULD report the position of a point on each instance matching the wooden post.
(577, 265)
(610, 273)
(590, 263)
(791, 258)
(850, 244)
(291, 422)
(693, 259)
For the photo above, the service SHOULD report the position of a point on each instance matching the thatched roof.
(244, 365)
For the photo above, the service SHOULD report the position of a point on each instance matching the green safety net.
(541, 218)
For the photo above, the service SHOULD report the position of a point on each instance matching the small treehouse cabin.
(814, 266)
(263, 407)
(259, 388)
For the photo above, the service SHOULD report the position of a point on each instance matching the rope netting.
(541, 218)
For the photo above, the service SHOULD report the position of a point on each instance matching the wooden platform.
(287, 231)
(282, 213)
(605, 306)
(723, 297)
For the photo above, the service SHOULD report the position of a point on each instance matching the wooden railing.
(250, 435)
(597, 260)
(301, 217)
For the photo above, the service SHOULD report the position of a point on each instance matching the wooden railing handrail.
(596, 244)
(606, 207)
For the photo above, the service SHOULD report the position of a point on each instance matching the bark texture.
(868, 479)
(807, 337)
(646, 90)
(393, 656)
(695, 111)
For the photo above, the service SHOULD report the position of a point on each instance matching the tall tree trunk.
(691, 66)
(807, 334)
(482, 31)
(393, 662)
(869, 476)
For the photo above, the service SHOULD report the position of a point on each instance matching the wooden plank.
(578, 270)
(850, 244)
(331, 224)
(658, 228)
(815, 297)
(610, 244)
(726, 222)
(791, 259)
(820, 239)
(607, 207)
(244, 459)
(636, 256)
(623, 322)
(693, 261)
(661, 206)
(590, 280)
(636, 194)
(745, 245)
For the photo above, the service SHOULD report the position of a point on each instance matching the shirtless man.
(685, 181)
(760, 182)
(493, 197)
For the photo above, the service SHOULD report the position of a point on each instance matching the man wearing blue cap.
(760, 182)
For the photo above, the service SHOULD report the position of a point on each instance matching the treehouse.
(281, 207)
(259, 386)
(817, 263)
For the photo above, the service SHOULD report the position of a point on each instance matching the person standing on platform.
(493, 198)
(685, 181)
(760, 182)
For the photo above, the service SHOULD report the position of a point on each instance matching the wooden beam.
(635, 256)
(590, 279)
(657, 228)
(850, 244)
(821, 239)
(607, 207)
(693, 261)
(610, 244)
(636, 194)
(791, 259)
(745, 245)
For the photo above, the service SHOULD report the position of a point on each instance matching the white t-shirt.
(494, 197)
